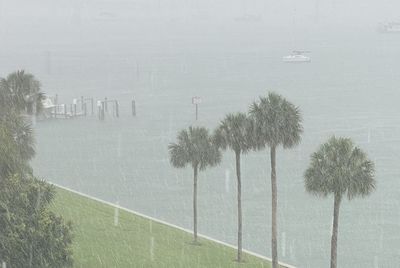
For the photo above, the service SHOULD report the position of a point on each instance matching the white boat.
(296, 56)
(391, 27)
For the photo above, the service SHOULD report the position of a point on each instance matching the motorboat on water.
(297, 56)
(391, 27)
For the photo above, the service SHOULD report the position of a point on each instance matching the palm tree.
(23, 90)
(234, 133)
(19, 93)
(277, 123)
(339, 168)
(194, 147)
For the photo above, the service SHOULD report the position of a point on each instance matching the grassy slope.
(98, 243)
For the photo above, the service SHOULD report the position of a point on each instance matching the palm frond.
(194, 146)
(277, 122)
(235, 132)
(338, 167)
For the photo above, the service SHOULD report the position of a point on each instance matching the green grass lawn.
(98, 243)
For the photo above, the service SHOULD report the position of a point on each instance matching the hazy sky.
(64, 21)
(334, 11)
(32, 32)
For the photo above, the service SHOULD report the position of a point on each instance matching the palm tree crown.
(235, 132)
(340, 168)
(195, 147)
(278, 122)
(23, 91)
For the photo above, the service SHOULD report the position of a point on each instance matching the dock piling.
(133, 107)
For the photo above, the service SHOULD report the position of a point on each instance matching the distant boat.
(391, 27)
(297, 56)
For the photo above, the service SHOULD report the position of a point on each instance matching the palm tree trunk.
(195, 204)
(335, 230)
(239, 200)
(274, 240)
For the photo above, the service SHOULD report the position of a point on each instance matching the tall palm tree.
(235, 133)
(339, 168)
(19, 93)
(277, 123)
(194, 147)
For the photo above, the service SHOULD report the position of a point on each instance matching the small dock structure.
(82, 107)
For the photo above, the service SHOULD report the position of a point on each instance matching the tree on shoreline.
(31, 235)
(341, 169)
(194, 147)
(21, 93)
(234, 132)
(277, 123)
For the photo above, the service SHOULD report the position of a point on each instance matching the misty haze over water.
(162, 53)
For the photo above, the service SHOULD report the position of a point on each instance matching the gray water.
(351, 88)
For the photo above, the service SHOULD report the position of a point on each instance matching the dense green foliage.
(30, 234)
(16, 145)
(20, 92)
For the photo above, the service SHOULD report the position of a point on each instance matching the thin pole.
(133, 107)
(103, 110)
(113, 109)
(92, 105)
(117, 108)
(197, 112)
(99, 111)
